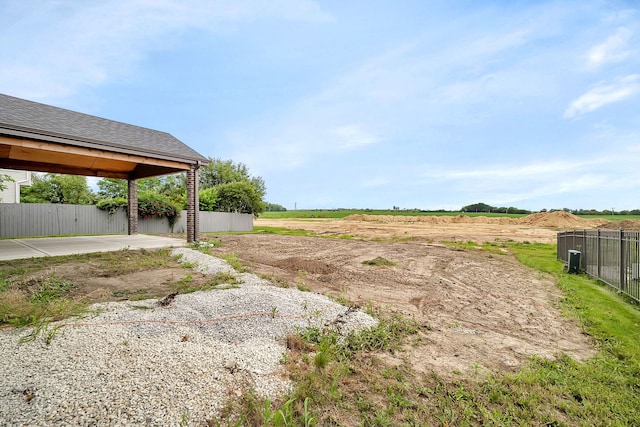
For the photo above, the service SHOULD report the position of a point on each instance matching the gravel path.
(139, 363)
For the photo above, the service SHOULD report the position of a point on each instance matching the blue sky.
(417, 104)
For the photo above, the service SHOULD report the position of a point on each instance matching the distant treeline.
(483, 207)
(474, 208)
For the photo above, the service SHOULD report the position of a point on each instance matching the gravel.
(140, 363)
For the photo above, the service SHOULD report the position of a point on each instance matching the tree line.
(225, 186)
(485, 208)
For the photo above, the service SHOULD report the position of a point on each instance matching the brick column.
(196, 203)
(133, 207)
(193, 205)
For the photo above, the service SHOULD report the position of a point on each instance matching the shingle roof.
(28, 119)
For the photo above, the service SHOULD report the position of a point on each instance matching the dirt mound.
(559, 219)
(625, 224)
(429, 219)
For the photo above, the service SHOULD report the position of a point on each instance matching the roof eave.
(16, 132)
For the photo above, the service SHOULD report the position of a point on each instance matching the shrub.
(149, 205)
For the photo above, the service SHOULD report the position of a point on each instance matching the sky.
(361, 103)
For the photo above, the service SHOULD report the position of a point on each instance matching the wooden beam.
(66, 169)
(88, 152)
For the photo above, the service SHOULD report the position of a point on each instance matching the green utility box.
(574, 262)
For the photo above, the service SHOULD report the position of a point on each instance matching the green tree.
(208, 199)
(4, 178)
(57, 188)
(172, 186)
(478, 207)
(236, 189)
(112, 188)
(240, 197)
(274, 207)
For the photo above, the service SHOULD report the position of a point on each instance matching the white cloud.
(352, 137)
(614, 49)
(375, 182)
(90, 43)
(603, 94)
(511, 173)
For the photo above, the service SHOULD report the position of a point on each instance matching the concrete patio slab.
(55, 246)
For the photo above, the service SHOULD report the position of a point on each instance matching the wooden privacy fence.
(30, 219)
(612, 256)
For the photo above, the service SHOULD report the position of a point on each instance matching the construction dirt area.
(481, 310)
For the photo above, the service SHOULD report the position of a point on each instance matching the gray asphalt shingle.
(48, 123)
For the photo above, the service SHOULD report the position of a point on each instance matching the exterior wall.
(12, 193)
(30, 219)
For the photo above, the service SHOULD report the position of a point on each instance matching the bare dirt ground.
(482, 311)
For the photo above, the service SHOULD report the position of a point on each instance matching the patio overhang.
(44, 138)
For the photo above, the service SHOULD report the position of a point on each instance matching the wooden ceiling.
(26, 154)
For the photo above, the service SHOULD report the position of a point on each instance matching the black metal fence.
(612, 256)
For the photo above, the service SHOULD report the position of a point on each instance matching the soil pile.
(558, 219)
(626, 224)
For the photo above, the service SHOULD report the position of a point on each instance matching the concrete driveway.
(54, 246)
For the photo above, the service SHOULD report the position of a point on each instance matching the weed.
(283, 231)
(233, 260)
(51, 333)
(222, 280)
(51, 288)
(141, 307)
(184, 419)
(379, 262)
(188, 264)
(280, 282)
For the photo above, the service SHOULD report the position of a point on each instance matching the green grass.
(30, 295)
(221, 280)
(341, 213)
(283, 231)
(497, 247)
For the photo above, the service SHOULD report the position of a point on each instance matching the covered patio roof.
(44, 138)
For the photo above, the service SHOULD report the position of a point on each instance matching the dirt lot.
(481, 310)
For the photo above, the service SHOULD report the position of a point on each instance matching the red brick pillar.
(193, 204)
(133, 207)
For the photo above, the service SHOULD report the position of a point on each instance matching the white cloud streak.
(511, 184)
(603, 94)
(80, 44)
(614, 49)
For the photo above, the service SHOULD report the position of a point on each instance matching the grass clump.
(233, 260)
(221, 280)
(36, 302)
(283, 231)
(496, 247)
(379, 262)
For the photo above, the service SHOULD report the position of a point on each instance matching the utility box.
(574, 261)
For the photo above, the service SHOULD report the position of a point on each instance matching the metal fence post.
(623, 267)
(598, 257)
